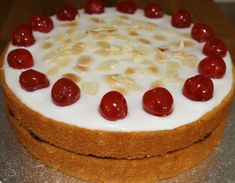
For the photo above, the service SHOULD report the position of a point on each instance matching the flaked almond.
(47, 45)
(147, 63)
(108, 65)
(133, 33)
(160, 37)
(71, 31)
(121, 90)
(85, 60)
(69, 24)
(67, 42)
(172, 80)
(171, 73)
(52, 72)
(163, 49)
(173, 65)
(80, 68)
(90, 88)
(189, 44)
(117, 80)
(144, 41)
(103, 45)
(77, 49)
(153, 70)
(103, 52)
(156, 84)
(135, 71)
(185, 36)
(50, 56)
(124, 17)
(187, 60)
(161, 57)
(138, 55)
(60, 37)
(97, 20)
(150, 27)
(74, 77)
(62, 62)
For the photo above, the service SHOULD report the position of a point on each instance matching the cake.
(138, 92)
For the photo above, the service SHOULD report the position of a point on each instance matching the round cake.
(121, 88)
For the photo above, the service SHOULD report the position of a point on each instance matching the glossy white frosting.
(84, 113)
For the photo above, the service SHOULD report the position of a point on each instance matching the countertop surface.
(17, 165)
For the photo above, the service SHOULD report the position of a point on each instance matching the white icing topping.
(65, 45)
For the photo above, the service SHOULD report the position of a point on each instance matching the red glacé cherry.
(212, 66)
(65, 92)
(126, 6)
(20, 59)
(158, 101)
(153, 10)
(201, 32)
(215, 46)
(181, 19)
(23, 36)
(94, 7)
(198, 88)
(41, 23)
(66, 12)
(113, 106)
(31, 80)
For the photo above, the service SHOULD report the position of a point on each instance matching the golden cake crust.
(94, 169)
(100, 143)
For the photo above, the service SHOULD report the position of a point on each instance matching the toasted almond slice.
(47, 45)
(52, 71)
(144, 41)
(133, 33)
(124, 17)
(80, 68)
(153, 70)
(121, 90)
(97, 20)
(172, 80)
(85, 60)
(69, 24)
(103, 45)
(135, 71)
(138, 55)
(187, 59)
(60, 37)
(90, 88)
(171, 73)
(156, 84)
(62, 62)
(189, 44)
(77, 49)
(150, 27)
(103, 52)
(67, 42)
(160, 37)
(74, 77)
(108, 65)
(147, 63)
(173, 65)
(185, 36)
(50, 56)
(71, 31)
(163, 49)
(161, 57)
(117, 80)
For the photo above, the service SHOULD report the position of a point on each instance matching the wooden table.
(14, 12)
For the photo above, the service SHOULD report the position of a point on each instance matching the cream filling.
(58, 53)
